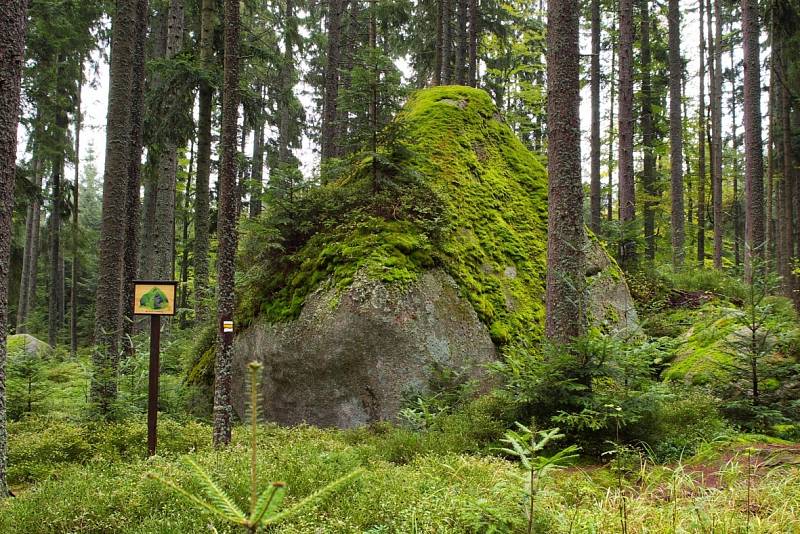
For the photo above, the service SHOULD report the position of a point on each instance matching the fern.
(265, 509)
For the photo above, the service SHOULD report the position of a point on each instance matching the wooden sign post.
(154, 298)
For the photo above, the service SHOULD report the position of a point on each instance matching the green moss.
(456, 190)
(201, 357)
(703, 353)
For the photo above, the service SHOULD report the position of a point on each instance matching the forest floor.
(90, 478)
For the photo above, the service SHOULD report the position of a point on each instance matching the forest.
(399, 266)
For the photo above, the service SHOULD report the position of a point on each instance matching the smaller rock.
(26, 344)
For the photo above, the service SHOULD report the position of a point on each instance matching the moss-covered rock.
(714, 333)
(453, 192)
(26, 345)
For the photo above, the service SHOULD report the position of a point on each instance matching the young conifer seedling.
(265, 508)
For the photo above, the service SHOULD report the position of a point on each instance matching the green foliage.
(437, 487)
(527, 445)
(454, 189)
(264, 508)
(600, 388)
(40, 447)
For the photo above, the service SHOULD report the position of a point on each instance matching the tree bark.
(162, 246)
(287, 88)
(612, 80)
(649, 170)
(676, 134)
(474, 32)
(30, 256)
(716, 128)
(565, 245)
(788, 221)
(55, 313)
(257, 178)
(201, 198)
(627, 191)
(461, 41)
(438, 44)
(184, 278)
(73, 297)
(701, 149)
(108, 308)
(226, 227)
(329, 144)
(447, 41)
(595, 187)
(754, 179)
(12, 45)
(737, 205)
(774, 250)
(130, 259)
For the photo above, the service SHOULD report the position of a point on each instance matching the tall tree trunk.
(473, 36)
(649, 171)
(201, 195)
(329, 143)
(73, 297)
(438, 44)
(147, 223)
(130, 259)
(788, 221)
(627, 190)
(55, 314)
(565, 256)
(373, 100)
(688, 173)
(612, 83)
(187, 195)
(595, 187)
(287, 96)
(716, 128)
(108, 308)
(12, 45)
(773, 253)
(162, 246)
(676, 133)
(226, 227)
(30, 257)
(350, 42)
(795, 127)
(754, 179)
(737, 205)
(461, 41)
(257, 178)
(701, 149)
(447, 41)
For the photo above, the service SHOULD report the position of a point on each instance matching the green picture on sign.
(154, 300)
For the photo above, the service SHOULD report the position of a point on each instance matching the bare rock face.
(349, 359)
(610, 304)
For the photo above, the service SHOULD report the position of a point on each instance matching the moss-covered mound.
(717, 335)
(451, 187)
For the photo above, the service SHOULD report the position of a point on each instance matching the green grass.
(427, 482)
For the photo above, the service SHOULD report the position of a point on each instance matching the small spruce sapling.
(527, 445)
(265, 508)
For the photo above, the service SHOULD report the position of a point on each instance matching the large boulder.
(27, 346)
(351, 357)
(431, 259)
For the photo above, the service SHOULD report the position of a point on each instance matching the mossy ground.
(706, 349)
(454, 189)
(90, 479)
